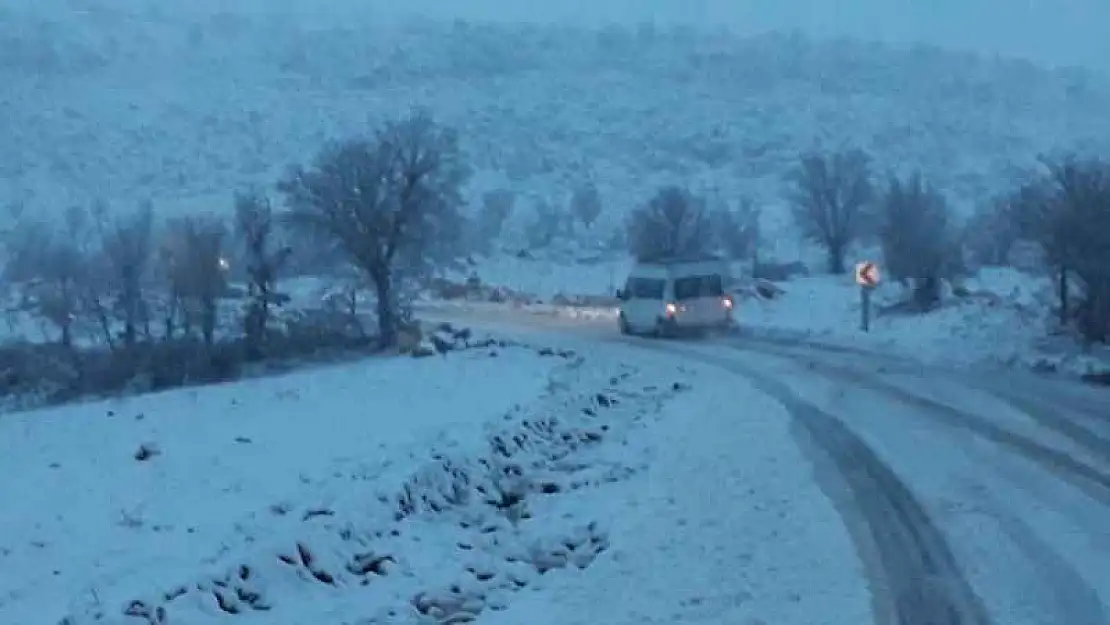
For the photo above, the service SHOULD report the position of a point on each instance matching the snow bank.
(727, 525)
(1002, 318)
(84, 518)
(547, 278)
(365, 493)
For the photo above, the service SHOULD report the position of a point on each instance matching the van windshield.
(693, 287)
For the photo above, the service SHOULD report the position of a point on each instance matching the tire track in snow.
(1094, 441)
(1093, 481)
(1077, 603)
(1049, 414)
(914, 575)
(1075, 600)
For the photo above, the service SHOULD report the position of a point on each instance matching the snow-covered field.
(445, 486)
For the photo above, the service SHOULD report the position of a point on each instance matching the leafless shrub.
(196, 267)
(736, 228)
(918, 240)
(994, 231)
(127, 246)
(49, 269)
(546, 224)
(265, 258)
(673, 223)
(497, 206)
(585, 203)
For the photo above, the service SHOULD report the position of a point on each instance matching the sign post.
(867, 277)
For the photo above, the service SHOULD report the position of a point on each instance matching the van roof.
(680, 268)
(679, 259)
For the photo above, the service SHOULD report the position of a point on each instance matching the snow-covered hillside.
(1061, 32)
(129, 103)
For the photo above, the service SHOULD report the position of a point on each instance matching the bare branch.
(674, 223)
(197, 270)
(585, 203)
(830, 195)
(255, 228)
(389, 202)
(736, 229)
(918, 241)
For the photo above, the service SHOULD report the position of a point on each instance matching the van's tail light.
(727, 302)
(671, 309)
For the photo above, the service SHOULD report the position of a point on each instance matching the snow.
(727, 526)
(505, 481)
(361, 493)
(1004, 319)
(1024, 540)
(83, 515)
(546, 278)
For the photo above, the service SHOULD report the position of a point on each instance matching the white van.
(670, 297)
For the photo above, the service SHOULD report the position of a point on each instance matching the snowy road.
(970, 497)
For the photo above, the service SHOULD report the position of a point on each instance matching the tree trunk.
(67, 334)
(130, 331)
(209, 315)
(265, 299)
(105, 327)
(387, 314)
(252, 321)
(132, 305)
(836, 258)
(1065, 302)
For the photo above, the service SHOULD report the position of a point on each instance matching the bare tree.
(197, 272)
(51, 271)
(497, 205)
(829, 196)
(386, 201)
(126, 251)
(673, 223)
(255, 229)
(994, 231)
(917, 238)
(585, 203)
(1075, 229)
(546, 224)
(736, 229)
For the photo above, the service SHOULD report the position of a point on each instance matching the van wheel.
(622, 323)
(664, 329)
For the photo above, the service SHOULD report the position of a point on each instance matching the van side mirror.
(621, 295)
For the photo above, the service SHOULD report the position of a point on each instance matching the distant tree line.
(129, 301)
